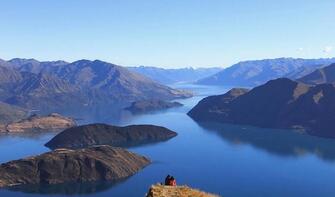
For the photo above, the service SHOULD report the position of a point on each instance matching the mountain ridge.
(30, 83)
(292, 105)
(319, 76)
(256, 72)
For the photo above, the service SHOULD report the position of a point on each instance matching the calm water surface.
(229, 160)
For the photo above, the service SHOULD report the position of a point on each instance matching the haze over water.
(229, 160)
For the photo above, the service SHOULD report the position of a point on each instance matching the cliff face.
(35, 123)
(65, 165)
(96, 134)
(176, 191)
(280, 103)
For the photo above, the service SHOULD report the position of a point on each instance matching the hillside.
(43, 85)
(280, 103)
(116, 81)
(319, 76)
(10, 113)
(176, 191)
(42, 91)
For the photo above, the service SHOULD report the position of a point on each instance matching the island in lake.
(97, 134)
(37, 123)
(151, 105)
(66, 165)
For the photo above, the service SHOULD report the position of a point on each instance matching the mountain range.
(32, 84)
(170, 76)
(257, 72)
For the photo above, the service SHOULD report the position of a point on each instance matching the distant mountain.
(40, 91)
(30, 83)
(170, 76)
(253, 73)
(117, 81)
(321, 75)
(8, 75)
(280, 103)
(34, 66)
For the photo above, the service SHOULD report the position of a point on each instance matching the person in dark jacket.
(167, 179)
(172, 181)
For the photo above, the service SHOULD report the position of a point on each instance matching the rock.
(151, 105)
(65, 165)
(96, 134)
(36, 123)
(280, 103)
(176, 191)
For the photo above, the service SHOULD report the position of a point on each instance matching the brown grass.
(176, 191)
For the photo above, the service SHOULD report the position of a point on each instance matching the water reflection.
(275, 141)
(111, 113)
(66, 188)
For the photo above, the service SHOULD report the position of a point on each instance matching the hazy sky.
(167, 33)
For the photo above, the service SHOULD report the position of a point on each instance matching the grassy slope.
(176, 191)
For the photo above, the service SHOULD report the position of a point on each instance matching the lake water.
(229, 160)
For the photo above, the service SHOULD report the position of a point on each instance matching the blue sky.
(167, 33)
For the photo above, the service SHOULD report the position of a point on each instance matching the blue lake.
(230, 160)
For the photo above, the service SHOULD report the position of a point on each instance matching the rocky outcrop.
(36, 123)
(176, 191)
(65, 165)
(96, 134)
(280, 103)
(151, 105)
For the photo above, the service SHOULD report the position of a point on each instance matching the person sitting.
(172, 181)
(167, 179)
